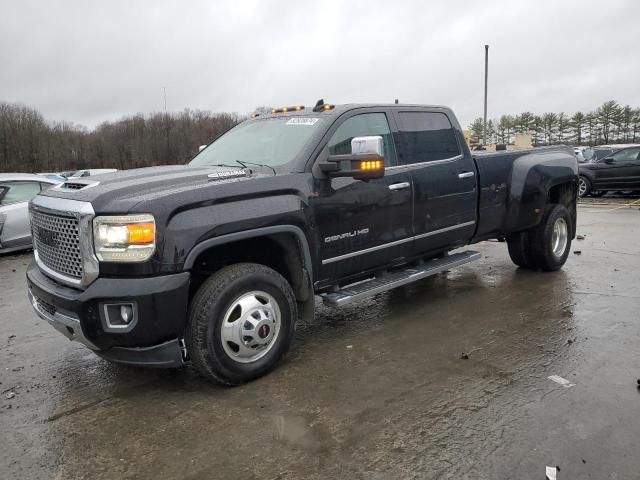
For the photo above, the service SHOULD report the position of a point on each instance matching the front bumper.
(153, 340)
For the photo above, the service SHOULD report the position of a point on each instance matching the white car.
(579, 153)
(92, 172)
(16, 189)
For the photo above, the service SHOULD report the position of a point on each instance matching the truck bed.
(513, 184)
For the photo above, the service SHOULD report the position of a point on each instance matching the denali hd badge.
(353, 233)
(228, 174)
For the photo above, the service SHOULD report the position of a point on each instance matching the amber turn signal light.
(141, 233)
(370, 165)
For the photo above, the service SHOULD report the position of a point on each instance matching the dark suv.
(617, 169)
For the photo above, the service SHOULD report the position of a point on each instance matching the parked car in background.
(619, 170)
(597, 153)
(92, 172)
(579, 153)
(587, 153)
(58, 177)
(16, 189)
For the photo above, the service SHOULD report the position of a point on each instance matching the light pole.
(486, 76)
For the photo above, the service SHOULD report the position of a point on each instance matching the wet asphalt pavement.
(378, 389)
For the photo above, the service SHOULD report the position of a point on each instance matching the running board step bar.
(398, 278)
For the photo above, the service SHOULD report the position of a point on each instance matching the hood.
(121, 191)
(589, 166)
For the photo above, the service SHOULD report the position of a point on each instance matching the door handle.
(466, 175)
(399, 186)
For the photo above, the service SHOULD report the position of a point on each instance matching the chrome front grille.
(63, 240)
(56, 239)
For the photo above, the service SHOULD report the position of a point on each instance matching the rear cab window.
(426, 137)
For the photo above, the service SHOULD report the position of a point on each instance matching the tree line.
(607, 124)
(30, 143)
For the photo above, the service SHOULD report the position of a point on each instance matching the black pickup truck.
(212, 263)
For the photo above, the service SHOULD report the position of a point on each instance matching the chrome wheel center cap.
(250, 326)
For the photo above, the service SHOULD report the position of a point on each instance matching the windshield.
(271, 142)
(600, 153)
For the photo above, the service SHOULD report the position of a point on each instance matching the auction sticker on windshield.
(302, 121)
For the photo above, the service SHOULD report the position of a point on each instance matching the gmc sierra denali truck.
(212, 263)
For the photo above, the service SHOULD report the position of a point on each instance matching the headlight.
(125, 238)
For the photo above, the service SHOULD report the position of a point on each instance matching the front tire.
(241, 323)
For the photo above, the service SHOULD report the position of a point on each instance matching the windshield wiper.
(223, 165)
(244, 162)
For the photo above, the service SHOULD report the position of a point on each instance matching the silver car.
(16, 189)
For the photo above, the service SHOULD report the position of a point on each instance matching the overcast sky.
(90, 61)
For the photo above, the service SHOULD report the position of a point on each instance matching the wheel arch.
(283, 247)
(534, 175)
(588, 174)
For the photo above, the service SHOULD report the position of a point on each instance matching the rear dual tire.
(545, 247)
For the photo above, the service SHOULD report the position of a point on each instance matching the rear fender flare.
(532, 178)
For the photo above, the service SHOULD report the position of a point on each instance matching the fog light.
(119, 316)
(126, 313)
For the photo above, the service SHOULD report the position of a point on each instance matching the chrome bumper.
(66, 323)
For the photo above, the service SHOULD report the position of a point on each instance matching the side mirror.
(365, 162)
(202, 147)
(609, 160)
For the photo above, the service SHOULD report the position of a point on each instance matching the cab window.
(427, 136)
(363, 125)
(15, 192)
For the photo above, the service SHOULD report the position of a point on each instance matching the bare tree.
(29, 144)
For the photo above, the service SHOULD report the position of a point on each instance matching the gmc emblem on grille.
(48, 237)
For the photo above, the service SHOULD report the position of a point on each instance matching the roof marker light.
(320, 106)
(297, 108)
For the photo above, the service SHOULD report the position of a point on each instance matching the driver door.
(363, 225)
